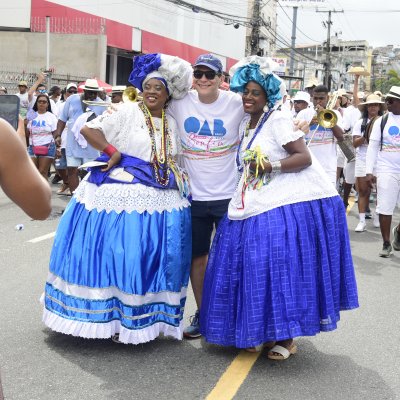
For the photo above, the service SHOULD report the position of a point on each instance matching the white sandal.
(282, 352)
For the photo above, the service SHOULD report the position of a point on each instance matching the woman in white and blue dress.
(280, 266)
(120, 262)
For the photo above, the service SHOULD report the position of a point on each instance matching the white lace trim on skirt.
(128, 197)
(105, 330)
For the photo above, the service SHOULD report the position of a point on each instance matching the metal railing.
(10, 75)
(79, 25)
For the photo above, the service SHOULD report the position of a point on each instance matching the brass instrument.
(129, 95)
(327, 118)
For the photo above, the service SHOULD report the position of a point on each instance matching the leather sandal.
(282, 353)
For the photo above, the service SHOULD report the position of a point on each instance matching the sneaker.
(376, 222)
(193, 330)
(396, 239)
(361, 227)
(386, 250)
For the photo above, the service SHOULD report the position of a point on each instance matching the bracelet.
(276, 166)
(109, 150)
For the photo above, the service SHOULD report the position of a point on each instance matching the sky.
(376, 21)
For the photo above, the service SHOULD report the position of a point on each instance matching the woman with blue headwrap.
(280, 266)
(120, 262)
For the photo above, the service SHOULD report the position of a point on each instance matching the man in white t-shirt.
(384, 152)
(208, 121)
(322, 141)
(23, 98)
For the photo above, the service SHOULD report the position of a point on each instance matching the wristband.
(276, 166)
(109, 150)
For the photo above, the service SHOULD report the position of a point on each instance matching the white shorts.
(340, 157)
(349, 172)
(74, 162)
(388, 188)
(361, 167)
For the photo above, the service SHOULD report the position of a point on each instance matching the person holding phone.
(40, 128)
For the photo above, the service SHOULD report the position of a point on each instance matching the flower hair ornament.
(173, 72)
(259, 70)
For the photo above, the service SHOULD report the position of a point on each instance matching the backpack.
(383, 123)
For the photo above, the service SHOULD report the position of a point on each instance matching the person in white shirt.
(303, 106)
(208, 120)
(322, 141)
(23, 98)
(384, 154)
(371, 108)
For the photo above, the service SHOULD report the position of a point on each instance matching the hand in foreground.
(301, 124)
(370, 179)
(114, 160)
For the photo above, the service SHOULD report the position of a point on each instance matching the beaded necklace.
(159, 160)
(258, 127)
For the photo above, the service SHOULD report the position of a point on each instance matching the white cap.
(70, 85)
(302, 96)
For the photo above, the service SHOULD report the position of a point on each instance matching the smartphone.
(9, 109)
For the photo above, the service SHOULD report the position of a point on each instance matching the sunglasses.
(43, 102)
(210, 75)
(72, 91)
(42, 90)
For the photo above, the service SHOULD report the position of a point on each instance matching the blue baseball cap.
(210, 61)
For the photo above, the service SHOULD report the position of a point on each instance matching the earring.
(266, 108)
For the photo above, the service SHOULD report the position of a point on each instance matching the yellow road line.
(234, 376)
(351, 202)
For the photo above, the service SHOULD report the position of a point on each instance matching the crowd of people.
(238, 189)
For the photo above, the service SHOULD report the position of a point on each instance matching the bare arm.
(40, 79)
(356, 100)
(96, 138)
(338, 133)
(21, 181)
(358, 141)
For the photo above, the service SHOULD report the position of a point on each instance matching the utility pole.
(293, 45)
(255, 32)
(327, 78)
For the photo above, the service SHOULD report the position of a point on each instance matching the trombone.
(129, 95)
(326, 118)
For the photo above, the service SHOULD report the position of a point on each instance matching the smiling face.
(207, 82)
(254, 99)
(155, 96)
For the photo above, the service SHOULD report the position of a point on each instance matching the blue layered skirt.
(285, 273)
(118, 271)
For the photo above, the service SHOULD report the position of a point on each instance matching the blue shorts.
(50, 154)
(75, 162)
(205, 216)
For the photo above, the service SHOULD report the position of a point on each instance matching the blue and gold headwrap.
(259, 70)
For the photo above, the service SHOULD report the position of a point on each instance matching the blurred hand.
(301, 124)
(370, 180)
(114, 160)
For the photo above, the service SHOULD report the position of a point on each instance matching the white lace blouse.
(284, 188)
(126, 130)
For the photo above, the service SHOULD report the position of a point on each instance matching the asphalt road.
(358, 361)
